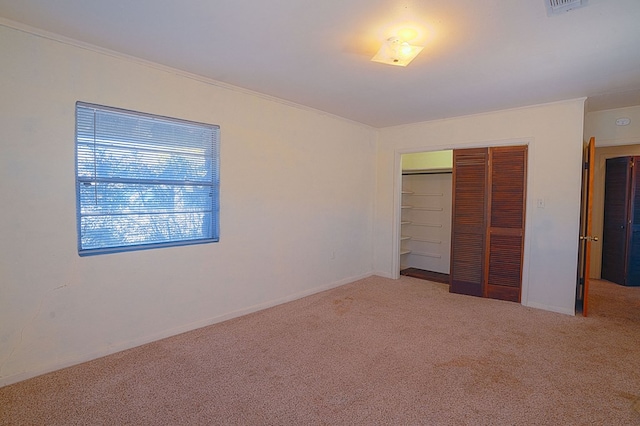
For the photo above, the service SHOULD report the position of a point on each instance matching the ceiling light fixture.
(396, 52)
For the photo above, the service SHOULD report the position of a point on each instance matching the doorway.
(425, 224)
(485, 229)
(602, 155)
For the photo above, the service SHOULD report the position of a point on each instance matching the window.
(144, 181)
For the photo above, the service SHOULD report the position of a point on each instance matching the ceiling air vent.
(555, 7)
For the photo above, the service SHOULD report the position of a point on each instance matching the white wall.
(308, 201)
(554, 133)
(297, 197)
(602, 126)
(427, 160)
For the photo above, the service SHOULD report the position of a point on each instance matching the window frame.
(213, 164)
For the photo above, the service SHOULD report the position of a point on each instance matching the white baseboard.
(111, 349)
(557, 309)
(384, 275)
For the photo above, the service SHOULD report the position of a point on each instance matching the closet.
(621, 230)
(488, 217)
(426, 220)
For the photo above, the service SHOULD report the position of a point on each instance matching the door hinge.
(586, 165)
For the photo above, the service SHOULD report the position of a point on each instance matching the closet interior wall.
(426, 221)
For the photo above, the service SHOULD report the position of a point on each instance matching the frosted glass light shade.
(396, 52)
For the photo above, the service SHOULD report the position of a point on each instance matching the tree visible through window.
(144, 181)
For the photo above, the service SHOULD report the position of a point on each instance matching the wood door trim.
(591, 149)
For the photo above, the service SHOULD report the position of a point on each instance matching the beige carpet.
(373, 352)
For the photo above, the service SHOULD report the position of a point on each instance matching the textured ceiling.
(479, 55)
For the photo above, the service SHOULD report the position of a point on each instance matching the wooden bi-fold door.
(468, 221)
(621, 236)
(489, 197)
(616, 219)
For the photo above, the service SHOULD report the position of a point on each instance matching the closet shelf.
(420, 194)
(430, 225)
(406, 207)
(424, 254)
(428, 209)
(405, 237)
(407, 192)
(402, 252)
(426, 240)
(405, 222)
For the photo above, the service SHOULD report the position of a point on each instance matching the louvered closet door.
(616, 202)
(505, 232)
(468, 221)
(633, 259)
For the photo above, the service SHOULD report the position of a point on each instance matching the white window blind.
(144, 181)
